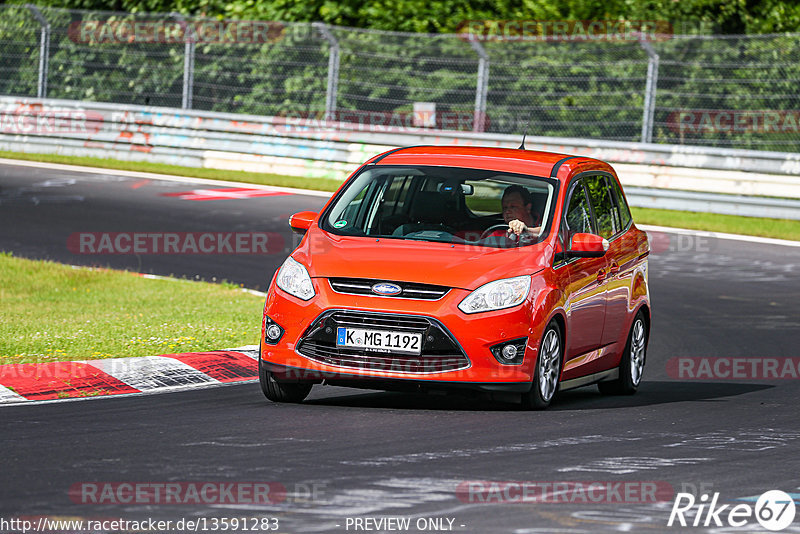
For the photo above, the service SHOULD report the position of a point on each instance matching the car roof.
(514, 160)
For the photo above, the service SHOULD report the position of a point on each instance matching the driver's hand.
(516, 227)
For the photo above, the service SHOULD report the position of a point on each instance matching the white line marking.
(513, 448)
(165, 177)
(6, 395)
(630, 464)
(706, 233)
(253, 292)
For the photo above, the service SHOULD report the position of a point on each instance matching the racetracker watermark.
(565, 30)
(148, 493)
(174, 31)
(176, 243)
(390, 121)
(28, 120)
(64, 525)
(665, 242)
(733, 368)
(774, 510)
(734, 121)
(564, 492)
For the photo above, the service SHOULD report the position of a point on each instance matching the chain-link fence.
(724, 91)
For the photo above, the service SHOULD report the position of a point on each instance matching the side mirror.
(301, 222)
(587, 246)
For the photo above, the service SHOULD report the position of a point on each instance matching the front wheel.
(548, 370)
(281, 391)
(631, 366)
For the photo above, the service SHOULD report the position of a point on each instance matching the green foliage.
(728, 224)
(727, 16)
(560, 88)
(436, 16)
(19, 42)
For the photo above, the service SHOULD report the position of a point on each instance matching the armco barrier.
(742, 182)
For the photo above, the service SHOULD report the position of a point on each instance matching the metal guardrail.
(740, 182)
(666, 199)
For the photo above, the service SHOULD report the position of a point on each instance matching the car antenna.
(524, 134)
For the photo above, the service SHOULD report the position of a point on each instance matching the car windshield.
(443, 204)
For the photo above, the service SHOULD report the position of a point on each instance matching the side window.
(605, 211)
(579, 219)
(393, 199)
(355, 216)
(624, 210)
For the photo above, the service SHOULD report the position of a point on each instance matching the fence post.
(44, 50)
(649, 91)
(482, 86)
(333, 70)
(188, 61)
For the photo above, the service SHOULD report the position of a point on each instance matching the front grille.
(440, 352)
(356, 359)
(387, 321)
(410, 290)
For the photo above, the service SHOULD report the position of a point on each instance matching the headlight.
(497, 295)
(293, 278)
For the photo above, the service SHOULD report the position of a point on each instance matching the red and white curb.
(25, 383)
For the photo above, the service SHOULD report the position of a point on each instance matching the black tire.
(631, 366)
(276, 391)
(552, 350)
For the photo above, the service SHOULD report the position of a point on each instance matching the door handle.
(614, 269)
(601, 275)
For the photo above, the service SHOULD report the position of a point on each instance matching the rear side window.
(605, 210)
(622, 206)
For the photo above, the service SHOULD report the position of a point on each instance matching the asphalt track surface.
(347, 454)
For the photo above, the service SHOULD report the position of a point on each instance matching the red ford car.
(512, 272)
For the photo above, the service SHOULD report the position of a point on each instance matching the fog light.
(272, 331)
(510, 352)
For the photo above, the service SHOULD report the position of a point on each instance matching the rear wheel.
(292, 392)
(631, 366)
(547, 372)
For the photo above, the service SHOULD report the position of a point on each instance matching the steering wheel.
(491, 229)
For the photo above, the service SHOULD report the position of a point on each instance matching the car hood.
(462, 266)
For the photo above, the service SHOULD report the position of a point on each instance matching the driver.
(517, 204)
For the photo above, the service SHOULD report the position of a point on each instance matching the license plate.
(379, 340)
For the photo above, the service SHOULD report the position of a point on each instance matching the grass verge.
(729, 224)
(53, 312)
(763, 227)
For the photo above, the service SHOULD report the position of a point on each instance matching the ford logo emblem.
(386, 289)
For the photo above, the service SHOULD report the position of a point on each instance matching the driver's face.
(513, 208)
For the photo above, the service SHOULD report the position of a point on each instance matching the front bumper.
(472, 336)
(347, 379)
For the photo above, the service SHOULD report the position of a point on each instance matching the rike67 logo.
(774, 510)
